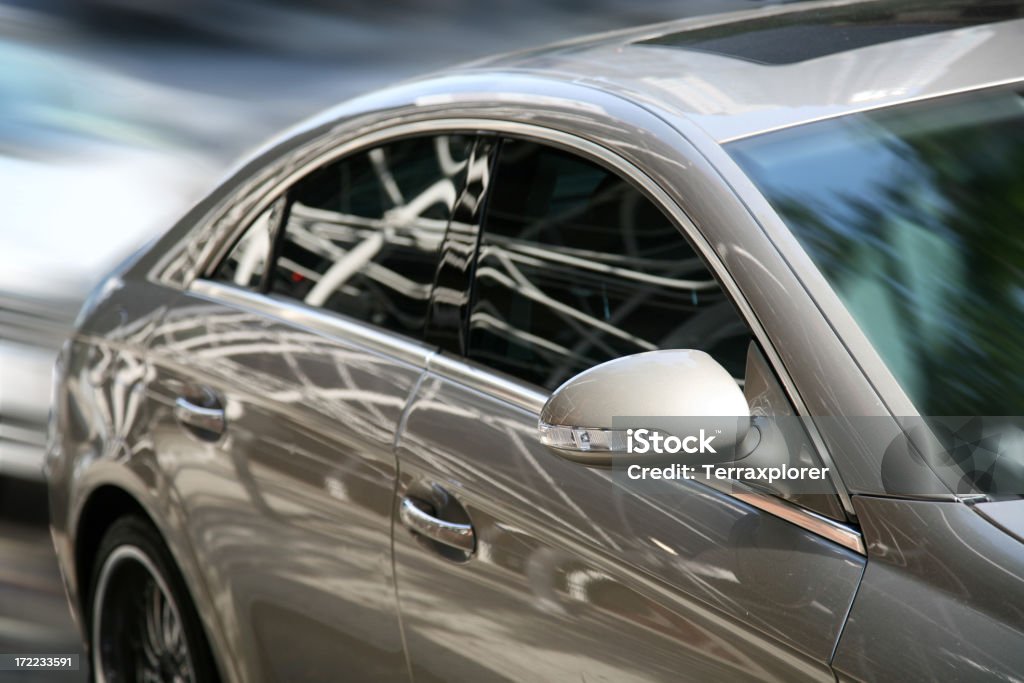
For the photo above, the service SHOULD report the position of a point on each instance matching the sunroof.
(801, 35)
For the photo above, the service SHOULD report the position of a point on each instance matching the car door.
(280, 379)
(514, 564)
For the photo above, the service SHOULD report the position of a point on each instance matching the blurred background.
(117, 115)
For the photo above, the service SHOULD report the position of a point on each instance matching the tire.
(143, 627)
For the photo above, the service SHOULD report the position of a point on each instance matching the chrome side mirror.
(598, 414)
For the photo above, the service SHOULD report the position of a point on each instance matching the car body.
(309, 413)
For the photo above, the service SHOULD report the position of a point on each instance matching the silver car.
(367, 411)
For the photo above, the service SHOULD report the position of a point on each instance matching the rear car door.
(280, 380)
(564, 573)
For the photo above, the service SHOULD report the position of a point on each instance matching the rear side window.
(577, 267)
(246, 263)
(361, 236)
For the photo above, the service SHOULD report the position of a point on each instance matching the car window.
(576, 267)
(246, 263)
(911, 213)
(361, 236)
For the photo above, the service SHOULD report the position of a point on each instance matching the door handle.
(415, 516)
(206, 423)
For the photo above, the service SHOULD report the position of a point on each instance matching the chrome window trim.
(475, 377)
(325, 322)
(830, 529)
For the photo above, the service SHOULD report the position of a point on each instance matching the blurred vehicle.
(353, 415)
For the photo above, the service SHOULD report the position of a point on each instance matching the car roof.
(744, 73)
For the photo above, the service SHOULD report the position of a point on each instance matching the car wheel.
(144, 628)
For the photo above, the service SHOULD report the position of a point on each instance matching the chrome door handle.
(452, 534)
(207, 423)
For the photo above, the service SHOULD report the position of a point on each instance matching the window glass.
(912, 213)
(246, 263)
(577, 267)
(362, 235)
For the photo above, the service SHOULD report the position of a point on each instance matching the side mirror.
(597, 414)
